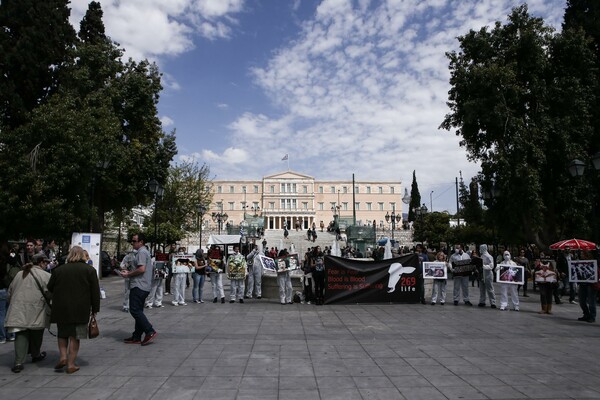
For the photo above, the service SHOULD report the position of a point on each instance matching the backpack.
(12, 271)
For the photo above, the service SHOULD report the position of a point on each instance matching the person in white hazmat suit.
(506, 287)
(254, 273)
(487, 280)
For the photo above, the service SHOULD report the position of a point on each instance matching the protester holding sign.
(461, 278)
(236, 272)
(546, 279)
(439, 285)
(505, 287)
(215, 268)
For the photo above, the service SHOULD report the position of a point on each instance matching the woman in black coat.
(75, 295)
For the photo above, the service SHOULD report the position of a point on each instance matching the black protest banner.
(387, 281)
(465, 267)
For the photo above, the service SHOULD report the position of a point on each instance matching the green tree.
(507, 101)
(433, 229)
(415, 198)
(35, 43)
(186, 188)
(103, 110)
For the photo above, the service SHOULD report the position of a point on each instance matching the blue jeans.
(587, 300)
(3, 296)
(198, 286)
(137, 299)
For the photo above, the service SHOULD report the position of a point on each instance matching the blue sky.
(342, 86)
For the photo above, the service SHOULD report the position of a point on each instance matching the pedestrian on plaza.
(284, 280)
(562, 263)
(587, 299)
(236, 272)
(215, 268)
(546, 280)
(506, 287)
(523, 261)
(461, 282)
(422, 254)
(140, 282)
(28, 312)
(486, 286)
(308, 266)
(439, 285)
(198, 276)
(322, 225)
(169, 277)
(318, 273)
(254, 273)
(75, 295)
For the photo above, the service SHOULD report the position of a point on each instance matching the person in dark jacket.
(75, 294)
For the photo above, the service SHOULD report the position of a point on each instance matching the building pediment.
(288, 175)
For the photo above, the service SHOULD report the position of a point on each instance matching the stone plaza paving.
(264, 350)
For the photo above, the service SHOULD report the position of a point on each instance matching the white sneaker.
(516, 309)
(148, 305)
(308, 302)
(183, 304)
(2, 341)
(200, 301)
(159, 306)
(175, 303)
(502, 308)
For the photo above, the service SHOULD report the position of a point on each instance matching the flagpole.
(288, 162)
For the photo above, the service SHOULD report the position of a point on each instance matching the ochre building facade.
(294, 199)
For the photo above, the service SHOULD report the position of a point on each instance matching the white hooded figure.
(487, 279)
(461, 283)
(506, 287)
(254, 273)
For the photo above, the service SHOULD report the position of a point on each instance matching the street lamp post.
(219, 217)
(158, 191)
(393, 218)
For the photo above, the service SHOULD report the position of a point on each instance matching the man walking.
(140, 283)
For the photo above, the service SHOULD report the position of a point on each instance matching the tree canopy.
(79, 130)
(522, 99)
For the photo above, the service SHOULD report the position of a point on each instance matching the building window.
(305, 205)
(231, 206)
(333, 189)
(380, 189)
(219, 189)
(345, 206)
(368, 189)
(282, 188)
(293, 186)
(321, 206)
(356, 189)
(357, 205)
(231, 189)
(380, 206)
(345, 188)
(219, 205)
(392, 189)
(272, 189)
(320, 189)
(282, 204)
(255, 188)
(393, 206)
(272, 205)
(243, 189)
(304, 189)
(368, 206)
(294, 205)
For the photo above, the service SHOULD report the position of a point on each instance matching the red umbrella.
(577, 244)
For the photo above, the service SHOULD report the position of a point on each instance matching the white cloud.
(222, 106)
(166, 121)
(363, 91)
(156, 28)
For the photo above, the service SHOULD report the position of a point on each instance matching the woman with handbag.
(75, 295)
(28, 313)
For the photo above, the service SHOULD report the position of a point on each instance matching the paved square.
(264, 350)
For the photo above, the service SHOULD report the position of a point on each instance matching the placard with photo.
(508, 273)
(435, 270)
(583, 271)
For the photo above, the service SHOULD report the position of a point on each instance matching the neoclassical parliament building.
(295, 199)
